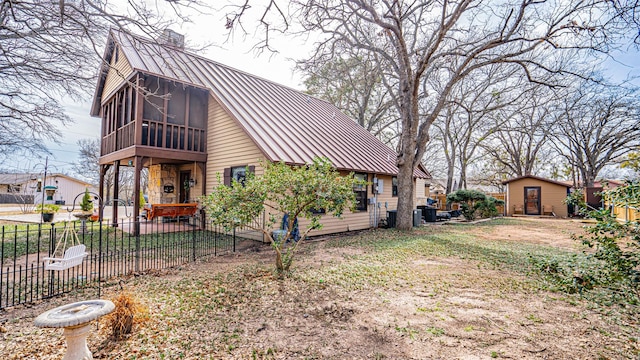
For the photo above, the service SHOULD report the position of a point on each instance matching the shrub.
(127, 313)
(470, 202)
(298, 191)
(613, 269)
(86, 204)
(488, 207)
(47, 208)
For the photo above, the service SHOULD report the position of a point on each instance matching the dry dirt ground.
(349, 300)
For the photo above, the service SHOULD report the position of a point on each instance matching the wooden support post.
(136, 191)
(116, 190)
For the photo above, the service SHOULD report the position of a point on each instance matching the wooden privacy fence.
(625, 213)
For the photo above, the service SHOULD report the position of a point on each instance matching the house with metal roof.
(187, 119)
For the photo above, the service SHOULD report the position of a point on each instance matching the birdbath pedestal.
(76, 320)
(83, 221)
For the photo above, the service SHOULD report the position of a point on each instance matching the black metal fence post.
(52, 247)
(193, 240)
(112, 253)
(137, 235)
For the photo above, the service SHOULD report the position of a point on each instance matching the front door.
(532, 200)
(185, 176)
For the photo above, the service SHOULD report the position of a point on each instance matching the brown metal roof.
(286, 124)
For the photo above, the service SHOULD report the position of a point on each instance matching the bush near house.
(297, 191)
(611, 272)
(474, 203)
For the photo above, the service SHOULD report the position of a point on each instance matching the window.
(153, 106)
(239, 173)
(197, 109)
(177, 104)
(14, 188)
(361, 192)
(394, 186)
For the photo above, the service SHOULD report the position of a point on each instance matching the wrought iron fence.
(113, 251)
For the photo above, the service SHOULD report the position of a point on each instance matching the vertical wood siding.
(115, 77)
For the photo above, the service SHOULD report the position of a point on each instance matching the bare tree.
(451, 40)
(272, 17)
(597, 126)
(51, 49)
(520, 144)
(88, 164)
(354, 85)
(465, 123)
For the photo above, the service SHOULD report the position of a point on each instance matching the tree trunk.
(404, 220)
(279, 265)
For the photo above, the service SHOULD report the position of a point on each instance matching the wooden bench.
(170, 210)
(73, 256)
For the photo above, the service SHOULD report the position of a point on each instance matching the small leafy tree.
(577, 200)
(86, 204)
(283, 189)
(469, 200)
(143, 202)
(618, 243)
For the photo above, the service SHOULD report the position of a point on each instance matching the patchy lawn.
(441, 292)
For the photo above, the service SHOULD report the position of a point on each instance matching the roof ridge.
(209, 60)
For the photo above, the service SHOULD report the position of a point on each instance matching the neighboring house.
(438, 186)
(32, 188)
(533, 195)
(608, 184)
(201, 121)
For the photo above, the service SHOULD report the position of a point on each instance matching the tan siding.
(227, 145)
(386, 197)
(550, 194)
(421, 193)
(115, 77)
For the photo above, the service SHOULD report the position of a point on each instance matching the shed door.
(532, 200)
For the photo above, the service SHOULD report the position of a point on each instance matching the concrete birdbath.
(75, 319)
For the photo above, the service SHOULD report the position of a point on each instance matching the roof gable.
(21, 178)
(286, 124)
(536, 178)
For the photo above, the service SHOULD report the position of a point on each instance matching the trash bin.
(417, 217)
(391, 218)
(428, 213)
